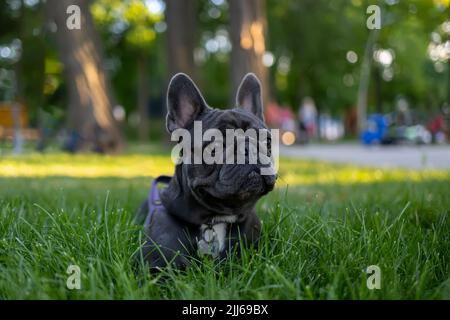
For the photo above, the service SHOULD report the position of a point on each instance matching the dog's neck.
(183, 205)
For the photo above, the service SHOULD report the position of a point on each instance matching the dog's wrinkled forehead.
(236, 118)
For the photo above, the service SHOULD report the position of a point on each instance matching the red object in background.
(277, 116)
(437, 124)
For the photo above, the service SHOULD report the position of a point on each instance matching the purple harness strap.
(154, 201)
(209, 244)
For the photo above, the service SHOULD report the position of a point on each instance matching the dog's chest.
(213, 236)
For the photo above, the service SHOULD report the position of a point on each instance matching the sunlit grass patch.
(85, 165)
(300, 172)
(292, 172)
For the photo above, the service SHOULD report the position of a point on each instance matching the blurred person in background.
(438, 126)
(307, 115)
(351, 121)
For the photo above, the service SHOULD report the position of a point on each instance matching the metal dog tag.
(209, 245)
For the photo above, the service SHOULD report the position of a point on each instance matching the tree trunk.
(247, 31)
(143, 95)
(378, 92)
(18, 67)
(448, 81)
(364, 81)
(180, 19)
(89, 94)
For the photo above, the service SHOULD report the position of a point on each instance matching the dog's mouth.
(256, 184)
(234, 188)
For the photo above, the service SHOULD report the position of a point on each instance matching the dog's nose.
(252, 175)
(270, 180)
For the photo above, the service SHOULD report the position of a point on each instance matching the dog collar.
(213, 235)
(212, 242)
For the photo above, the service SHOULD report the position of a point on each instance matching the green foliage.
(309, 39)
(130, 19)
(25, 26)
(214, 71)
(316, 35)
(128, 30)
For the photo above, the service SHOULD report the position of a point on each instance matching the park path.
(411, 157)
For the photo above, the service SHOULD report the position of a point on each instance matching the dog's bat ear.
(249, 95)
(184, 102)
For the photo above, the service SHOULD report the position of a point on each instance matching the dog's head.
(221, 187)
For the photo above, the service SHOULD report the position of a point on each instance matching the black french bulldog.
(207, 209)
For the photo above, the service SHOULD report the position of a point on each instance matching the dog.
(207, 209)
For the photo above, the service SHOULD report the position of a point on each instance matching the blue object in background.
(376, 129)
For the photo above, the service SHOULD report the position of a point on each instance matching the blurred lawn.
(323, 225)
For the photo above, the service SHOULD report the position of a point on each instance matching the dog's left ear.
(249, 95)
(184, 102)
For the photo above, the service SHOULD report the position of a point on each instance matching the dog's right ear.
(184, 102)
(249, 95)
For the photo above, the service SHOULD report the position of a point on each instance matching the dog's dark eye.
(265, 145)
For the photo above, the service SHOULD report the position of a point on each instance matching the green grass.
(322, 227)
